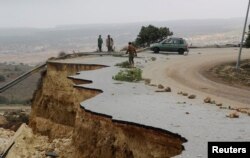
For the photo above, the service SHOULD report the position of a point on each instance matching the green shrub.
(3, 100)
(124, 64)
(16, 68)
(2, 78)
(61, 54)
(153, 58)
(247, 42)
(19, 101)
(129, 75)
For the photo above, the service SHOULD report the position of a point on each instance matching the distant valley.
(84, 37)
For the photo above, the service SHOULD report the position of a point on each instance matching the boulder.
(168, 89)
(233, 115)
(160, 86)
(192, 96)
(184, 94)
(160, 91)
(207, 100)
(153, 85)
(147, 81)
(213, 102)
(219, 104)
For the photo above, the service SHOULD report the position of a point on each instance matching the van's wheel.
(156, 50)
(181, 51)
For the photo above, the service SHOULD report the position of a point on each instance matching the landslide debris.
(13, 119)
(27, 144)
(5, 136)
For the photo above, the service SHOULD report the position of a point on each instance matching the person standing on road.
(132, 53)
(100, 41)
(112, 44)
(109, 43)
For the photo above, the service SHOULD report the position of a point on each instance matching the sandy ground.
(184, 73)
(5, 136)
(14, 107)
(28, 58)
(4, 108)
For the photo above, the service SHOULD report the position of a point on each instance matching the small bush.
(3, 100)
(61, 54)
(153, 58)
(2, 78)
(19, 101)
(15, 119)
(16, 68)
(129, 75)
(124, 64)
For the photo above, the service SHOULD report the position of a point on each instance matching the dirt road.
(186, 73)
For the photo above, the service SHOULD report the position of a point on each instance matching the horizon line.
(116, 23)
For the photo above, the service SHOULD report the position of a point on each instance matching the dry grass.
(229, 74)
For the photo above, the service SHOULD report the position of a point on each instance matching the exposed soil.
(12, 117)
(228, 74)
(56, 113)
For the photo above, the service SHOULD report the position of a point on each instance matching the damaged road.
(79, 101)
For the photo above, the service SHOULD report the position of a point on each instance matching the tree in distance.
(2, 78)
(247, 42)
(151, 34)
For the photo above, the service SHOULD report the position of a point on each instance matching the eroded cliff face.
(56, 112)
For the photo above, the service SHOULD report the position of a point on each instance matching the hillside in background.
(22, 92)
(83, 37)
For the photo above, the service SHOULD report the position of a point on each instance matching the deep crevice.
(134, 124)
(94, 134)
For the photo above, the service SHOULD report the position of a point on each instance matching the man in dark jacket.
(109, 43)
(100, 41)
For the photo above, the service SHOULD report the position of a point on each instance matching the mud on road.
(189, 73)
(228, 74)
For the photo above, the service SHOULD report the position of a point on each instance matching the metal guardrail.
(7, 150)
(20, 78)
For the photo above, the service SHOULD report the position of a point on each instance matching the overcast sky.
(49, 13)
